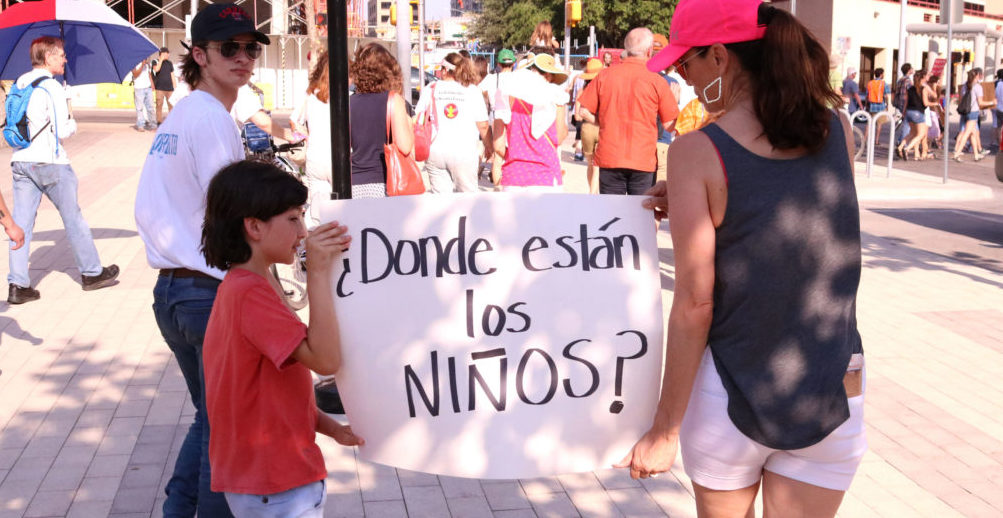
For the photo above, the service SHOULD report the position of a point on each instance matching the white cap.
(851, 71)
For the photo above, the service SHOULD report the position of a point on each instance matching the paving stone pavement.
(93, 407)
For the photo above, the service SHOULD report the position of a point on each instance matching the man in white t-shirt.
(490, 86)
(191, 146)
(142, 85)
(249, 108)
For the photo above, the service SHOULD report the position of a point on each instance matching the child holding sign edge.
(258, 354)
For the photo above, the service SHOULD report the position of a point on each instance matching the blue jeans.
(59, 183)
(625, 181)
(145, 116)
(181, 307)
(306, 501)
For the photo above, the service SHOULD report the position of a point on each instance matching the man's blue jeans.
(59, 183)
(145, 116)
(181, 307)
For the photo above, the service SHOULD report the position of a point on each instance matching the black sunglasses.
(229, 49)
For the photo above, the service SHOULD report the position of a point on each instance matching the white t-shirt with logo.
(190, 147)
(459, 108)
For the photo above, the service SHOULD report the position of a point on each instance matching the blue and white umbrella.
(101, 47)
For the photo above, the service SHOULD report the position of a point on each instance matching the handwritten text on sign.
(498, 336)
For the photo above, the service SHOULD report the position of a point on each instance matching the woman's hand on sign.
(324, 244)
(657, 200)
(654, 453)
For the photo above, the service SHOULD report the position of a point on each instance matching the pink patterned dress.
(529, 162)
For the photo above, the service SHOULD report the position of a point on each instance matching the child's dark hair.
(245, 189)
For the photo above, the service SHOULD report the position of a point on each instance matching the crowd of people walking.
(764, 381)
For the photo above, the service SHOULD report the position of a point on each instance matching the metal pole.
(404, 45)
(421, 45)
(337, 62)
(947, 94)
(794, 8)
(567, 39)
(902, 57)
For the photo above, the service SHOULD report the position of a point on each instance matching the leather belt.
(185, 273)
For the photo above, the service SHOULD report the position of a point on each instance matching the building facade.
(865, 35)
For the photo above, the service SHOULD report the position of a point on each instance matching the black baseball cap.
(220, 22)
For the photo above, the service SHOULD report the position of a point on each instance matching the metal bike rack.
(872, 137)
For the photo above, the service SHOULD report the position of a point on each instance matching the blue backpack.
(15, 129)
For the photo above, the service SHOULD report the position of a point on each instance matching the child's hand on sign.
(342, 434)
(657, 200)
(324, 244)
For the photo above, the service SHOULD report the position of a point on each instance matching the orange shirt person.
(626, 99)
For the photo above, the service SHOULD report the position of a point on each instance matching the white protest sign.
(498, 335)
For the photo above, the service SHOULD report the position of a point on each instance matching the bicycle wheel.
(858, 143)
(293, 289)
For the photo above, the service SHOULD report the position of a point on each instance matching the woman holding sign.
(763, 378)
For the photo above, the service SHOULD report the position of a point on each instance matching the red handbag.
(403, 175)
(425, 128)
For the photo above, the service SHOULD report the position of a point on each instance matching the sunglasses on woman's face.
(681, 66)
(229, 49)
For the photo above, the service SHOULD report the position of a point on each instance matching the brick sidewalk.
(93, 406)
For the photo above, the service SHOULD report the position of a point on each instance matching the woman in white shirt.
(316, 116)
(460, 117)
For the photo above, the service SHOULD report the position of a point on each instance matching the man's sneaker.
(101, 280)
(19, 295)
(580, 157)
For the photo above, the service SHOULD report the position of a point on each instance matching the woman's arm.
(400, 124)
(689, 199)
(562, 122)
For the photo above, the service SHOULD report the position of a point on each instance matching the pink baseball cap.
(699, 23)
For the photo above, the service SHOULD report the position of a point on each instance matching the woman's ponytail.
(789, 72)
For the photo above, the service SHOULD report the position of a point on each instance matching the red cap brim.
(666, 57)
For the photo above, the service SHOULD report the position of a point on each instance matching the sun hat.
(658, 42)
(592, 68)
(220, 22)
(546, 63)
(506, 57)
(699, 23)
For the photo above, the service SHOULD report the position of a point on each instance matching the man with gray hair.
(625, 100)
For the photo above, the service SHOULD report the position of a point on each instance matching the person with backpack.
(878, 93)
(38, 118)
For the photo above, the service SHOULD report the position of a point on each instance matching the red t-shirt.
(625, 100)
(262, 413)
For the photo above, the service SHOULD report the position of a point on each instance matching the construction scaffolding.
(281, 71)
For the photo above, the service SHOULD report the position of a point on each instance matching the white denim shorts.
(717, 455)
(306, 501)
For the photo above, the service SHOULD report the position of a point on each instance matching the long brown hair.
(788, 72)
(320, 85)
(191, 71)
(375, 70)
(464, 73)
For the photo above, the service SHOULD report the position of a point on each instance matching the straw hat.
(592, 68)
(546, 63)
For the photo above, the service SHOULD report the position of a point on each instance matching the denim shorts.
(972, 116)
(306, 501)
(915, 116)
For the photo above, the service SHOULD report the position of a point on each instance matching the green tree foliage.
(510, 23)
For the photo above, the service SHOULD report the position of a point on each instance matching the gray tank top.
(787, 267)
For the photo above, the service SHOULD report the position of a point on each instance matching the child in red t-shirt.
(258, 355)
